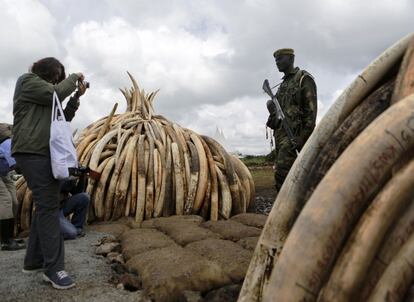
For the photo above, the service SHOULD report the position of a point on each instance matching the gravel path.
(90, 272)
(263, 205)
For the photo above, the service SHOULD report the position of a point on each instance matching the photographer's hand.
(81, 89)
(81, 77)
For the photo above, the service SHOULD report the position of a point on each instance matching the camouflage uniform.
(297, 98)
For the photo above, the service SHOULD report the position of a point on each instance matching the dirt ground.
(90, 272)
(263, 177)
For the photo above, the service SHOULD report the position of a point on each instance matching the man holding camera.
(74, 204)
(32, 109)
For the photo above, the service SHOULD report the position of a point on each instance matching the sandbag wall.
(342, 226)
(149, 167)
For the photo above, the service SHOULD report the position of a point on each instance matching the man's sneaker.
(59, 280)
(32, 269)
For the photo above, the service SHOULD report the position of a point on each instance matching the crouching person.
(74, 206)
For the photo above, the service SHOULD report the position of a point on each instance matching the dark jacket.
(72, 187)
(32, 109)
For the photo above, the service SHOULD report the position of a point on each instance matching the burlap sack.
(231, 230)
(184, 232)
(251, 219)
(249, 243)
(137, 241)
(231, 257)
(152, 223)
(168, 271)
(115, 229)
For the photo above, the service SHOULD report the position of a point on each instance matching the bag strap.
(57, 108)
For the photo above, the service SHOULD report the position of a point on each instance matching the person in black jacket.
(74, 207)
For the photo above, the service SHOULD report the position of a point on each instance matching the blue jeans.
(78, 206)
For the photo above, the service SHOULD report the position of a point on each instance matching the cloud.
(242, 121)
(6, 101)
(173, 57)
(106, 50)
(26, 35)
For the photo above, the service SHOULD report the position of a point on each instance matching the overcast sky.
(209, 58)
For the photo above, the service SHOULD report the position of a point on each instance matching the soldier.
(297, 98)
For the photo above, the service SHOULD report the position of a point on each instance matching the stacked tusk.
(150, 167)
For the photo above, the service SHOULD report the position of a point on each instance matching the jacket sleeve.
(309, 108)
(38, 91)
(71, 108)
(66, 87)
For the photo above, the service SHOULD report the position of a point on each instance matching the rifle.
(280, 115)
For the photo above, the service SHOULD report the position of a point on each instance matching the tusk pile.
(152, 167)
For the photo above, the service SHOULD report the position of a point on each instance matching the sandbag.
(171, 270)
(231, 257)
(138, 241)
(231, 230)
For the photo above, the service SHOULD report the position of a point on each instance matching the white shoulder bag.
(62, 150)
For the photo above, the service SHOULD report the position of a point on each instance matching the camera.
(86, 84)
(81, 170)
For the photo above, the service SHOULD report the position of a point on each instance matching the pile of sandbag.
(342, 226)
(149, 167)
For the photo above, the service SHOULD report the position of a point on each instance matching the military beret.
(283, 51)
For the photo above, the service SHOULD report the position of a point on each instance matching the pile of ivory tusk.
(342, 226)
(151, 167)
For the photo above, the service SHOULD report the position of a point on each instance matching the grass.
(263, 178)
(261, 168)
(256, 160)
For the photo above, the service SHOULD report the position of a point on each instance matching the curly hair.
(49, 69)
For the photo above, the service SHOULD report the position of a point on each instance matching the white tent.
(221, 139)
